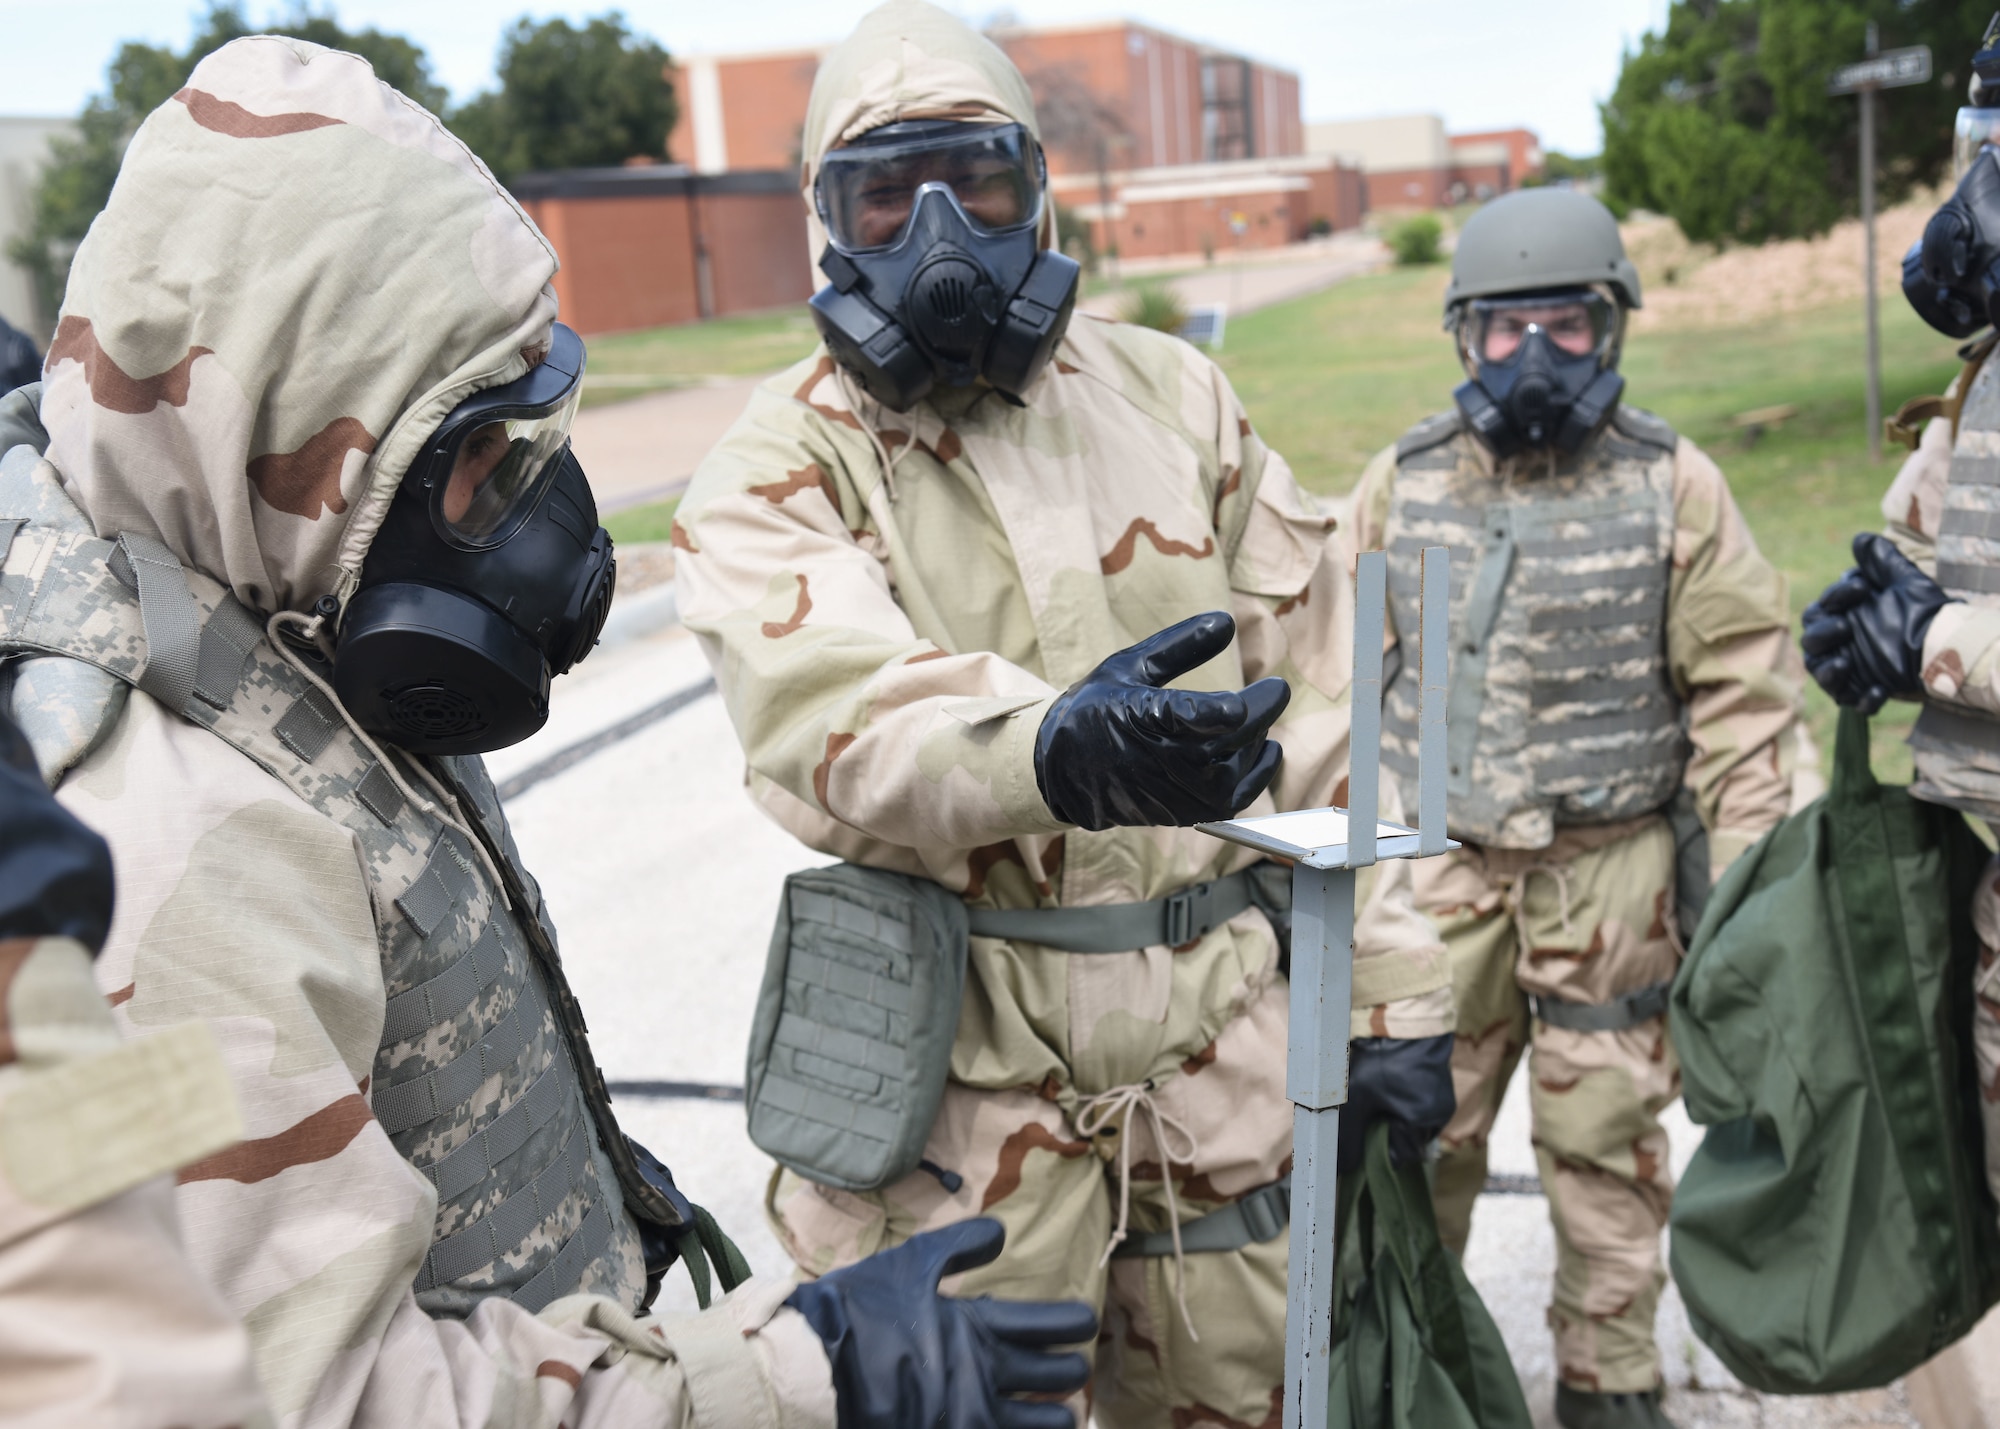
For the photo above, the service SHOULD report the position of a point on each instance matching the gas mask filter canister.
(490, 575)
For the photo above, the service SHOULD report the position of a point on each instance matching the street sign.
(1892, 69)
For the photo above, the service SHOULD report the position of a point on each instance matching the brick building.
(654, 244)
(1411, 162)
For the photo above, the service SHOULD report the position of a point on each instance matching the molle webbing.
(482, 1081)
(1957, 751)
(1559, 707)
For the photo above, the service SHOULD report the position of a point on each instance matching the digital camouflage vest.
(1958, 751)
(483, 1080)
(1559, 710)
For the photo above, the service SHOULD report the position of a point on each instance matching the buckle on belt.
(1188, 914)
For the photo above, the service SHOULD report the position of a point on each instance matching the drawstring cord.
(882, 454)
(311, 628)
(1095, 1113)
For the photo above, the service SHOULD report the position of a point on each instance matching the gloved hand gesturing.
(1118, 749)
(1864, 637)
(906, 1357)
(1405, 1082)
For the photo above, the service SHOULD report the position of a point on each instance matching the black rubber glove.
(1864, 637)
(1405, 1082)
(55, 874)
(1119, 750)
(906, 1357)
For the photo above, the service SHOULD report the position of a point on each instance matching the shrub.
(1154, 305)
(1415, 239)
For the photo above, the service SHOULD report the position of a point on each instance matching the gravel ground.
(662, 877)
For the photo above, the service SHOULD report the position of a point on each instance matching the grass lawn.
(643, 523)
(1333, 378)
(653, 358)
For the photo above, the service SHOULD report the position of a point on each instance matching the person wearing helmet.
(969, 577)
(1617, 643)
(292, 533)
(1918, 616)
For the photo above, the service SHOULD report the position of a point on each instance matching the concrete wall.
(1390, 144)
(644, 247)
(24, 149)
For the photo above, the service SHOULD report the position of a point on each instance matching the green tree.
(571, 97)
(77, 181)
(1723, 122)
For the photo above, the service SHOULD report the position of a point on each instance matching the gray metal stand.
(1326, 847)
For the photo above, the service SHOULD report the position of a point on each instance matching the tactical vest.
(483, 1080)
(1559, 708)
(1957, 750)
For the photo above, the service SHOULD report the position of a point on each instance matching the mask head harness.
(934, 262)
(1951, 275)
(490, 575)
(1543, 367)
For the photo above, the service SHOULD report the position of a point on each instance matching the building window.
(1226, 98)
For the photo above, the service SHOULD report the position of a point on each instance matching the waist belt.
(1613, 1016)
(1264, 1214)
(1120, 927)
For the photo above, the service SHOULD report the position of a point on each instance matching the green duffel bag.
(1834, 1229)
(1413, 1346)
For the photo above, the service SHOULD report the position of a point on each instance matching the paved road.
(1258, 282)
(662, 878)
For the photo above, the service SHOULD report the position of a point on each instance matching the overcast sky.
(1481, 65)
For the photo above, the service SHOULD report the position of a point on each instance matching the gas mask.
(1544, 369)
(490, 575)
(1951, 276)
(936, 272)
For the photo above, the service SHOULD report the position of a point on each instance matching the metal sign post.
(1890, 70)
(1326, 847)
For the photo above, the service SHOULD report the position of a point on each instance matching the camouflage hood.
(299, 273)
(909, 60)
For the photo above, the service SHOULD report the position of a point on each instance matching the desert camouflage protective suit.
(103, 1319)
(891, 603)
(1936, 510)
(1553, 905)
(298, 274)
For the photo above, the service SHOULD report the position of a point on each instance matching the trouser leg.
(1472, 917)
(1986, 1016)
(1596, 1098)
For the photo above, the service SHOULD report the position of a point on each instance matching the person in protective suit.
(292, 533)
(103, 1318)
(1918, 616)
(983, 587)
(1616, 639)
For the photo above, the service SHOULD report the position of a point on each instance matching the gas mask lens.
(867, 191)
(498, 472)
(1579, 324)
(1973, 131)
(490, 462)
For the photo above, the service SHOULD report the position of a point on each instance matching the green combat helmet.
(1540, 285)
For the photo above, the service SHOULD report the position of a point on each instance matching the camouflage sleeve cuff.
(1428, 1014)
(1023, 810)
(1962, 657)
(750, 1363)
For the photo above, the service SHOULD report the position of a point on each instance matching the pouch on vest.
(851, 1045)
(1834, 1229)
(1413, 1345)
